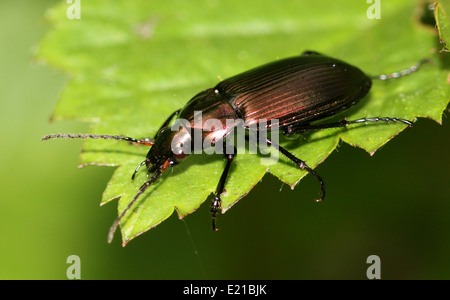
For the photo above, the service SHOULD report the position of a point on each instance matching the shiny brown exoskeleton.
(296, 91)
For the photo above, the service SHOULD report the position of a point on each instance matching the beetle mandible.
(296, 91)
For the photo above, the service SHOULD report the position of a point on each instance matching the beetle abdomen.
(295, 90)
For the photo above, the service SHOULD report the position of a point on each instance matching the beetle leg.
(302, 165)
(344, 123)
(217, 202)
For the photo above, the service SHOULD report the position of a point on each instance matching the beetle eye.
(161, 131)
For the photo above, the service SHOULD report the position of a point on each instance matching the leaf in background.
(442, 23)
(132, 63)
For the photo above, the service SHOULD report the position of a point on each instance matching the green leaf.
(132, 63)
(442, 23)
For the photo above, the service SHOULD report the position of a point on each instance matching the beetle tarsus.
(402, 73)
(379, 119)
(137, 169)
(215, 207)
(322, 184)
(344, 123)
(302, 165)
(217, 202)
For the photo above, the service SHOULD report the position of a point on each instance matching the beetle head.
(170, 148)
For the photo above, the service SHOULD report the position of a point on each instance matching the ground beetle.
(296, 91)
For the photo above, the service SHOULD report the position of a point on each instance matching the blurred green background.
(395, 204)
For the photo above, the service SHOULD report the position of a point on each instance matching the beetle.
(296, 91)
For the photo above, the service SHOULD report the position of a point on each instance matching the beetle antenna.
(141, 190)
(401, 73)
(146, 141)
